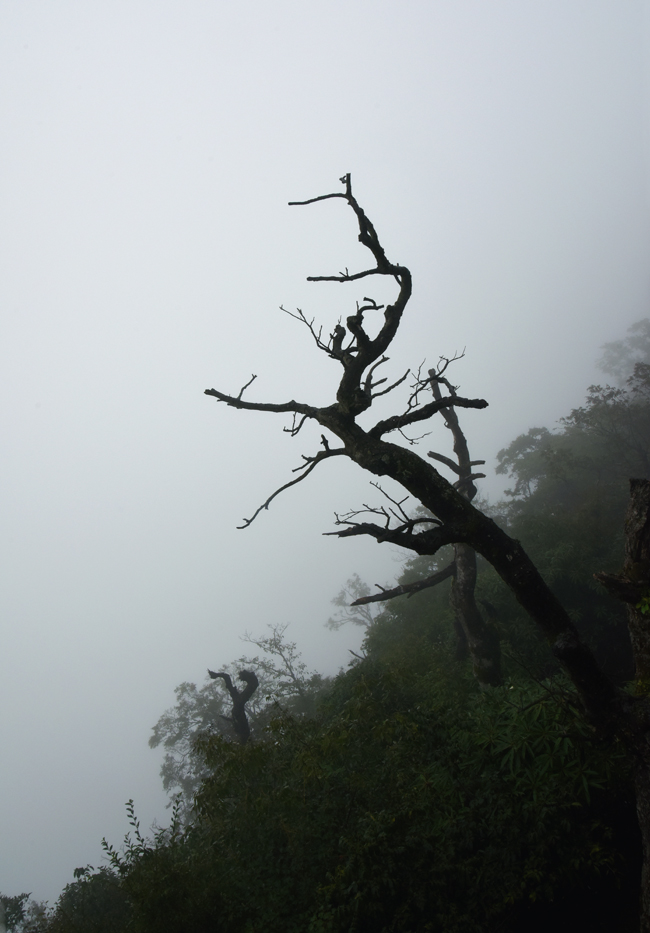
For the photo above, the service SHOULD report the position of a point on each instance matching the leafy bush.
(416, 802)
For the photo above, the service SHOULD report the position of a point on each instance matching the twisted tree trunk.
(239, 719)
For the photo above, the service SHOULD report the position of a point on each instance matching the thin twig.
(243, 388)
(323, 455)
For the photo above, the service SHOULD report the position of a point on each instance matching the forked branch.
(236, 401)
(308, 467)
(423, 542)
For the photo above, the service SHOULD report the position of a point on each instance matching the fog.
(148, 153)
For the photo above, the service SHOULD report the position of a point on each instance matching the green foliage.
(166, 879)
(621, 356)
(587, 463)
(199, 711)
(644, 605)
(14, 909)
(570, 494)
(93, 903)
(415, 802)
(196, 710)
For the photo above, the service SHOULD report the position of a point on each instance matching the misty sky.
(148, 152)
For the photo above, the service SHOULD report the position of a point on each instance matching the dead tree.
(451, 519)
(480, 636)
(239, 699)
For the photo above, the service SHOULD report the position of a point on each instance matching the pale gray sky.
(148, 153)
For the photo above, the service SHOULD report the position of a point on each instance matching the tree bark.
(482, 639)
(632, 586)
(239, 699)
(642, 791)
(474, 633)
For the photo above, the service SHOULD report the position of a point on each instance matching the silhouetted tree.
(451, 518)
(239, 699)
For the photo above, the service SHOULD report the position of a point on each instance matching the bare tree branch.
(295, 428)
(237, 402)
(406, 523)
(448, 462)
(321, 197)
(454, 466)
(310, 326)
(308, 468)
(345, 277)
(350, 392)
(408, 589)
(412, 441)
(243, 388)
(421, 384)
(369, 384)
(443, 364)
(391, 387)
(422, 414)
(424, 542)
